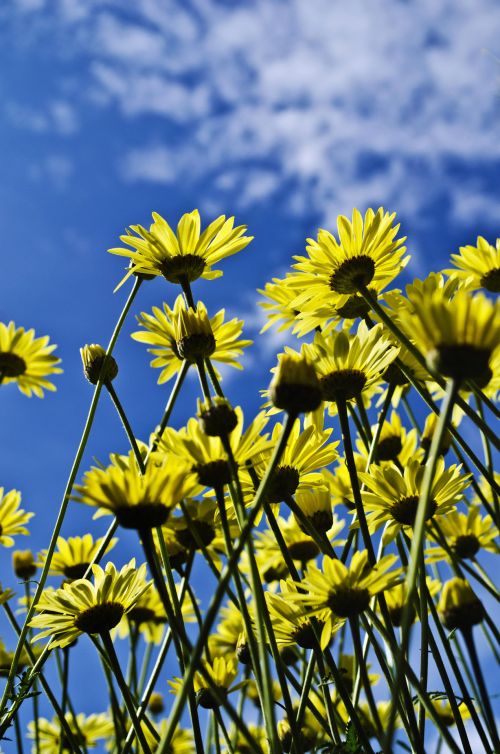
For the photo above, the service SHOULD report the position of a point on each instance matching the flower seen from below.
(139, 501)
(218, 677)
(392, 496)
(172, 343)
(26, 360)
(345, 591)
(478, 267)
(368, 254)
(458, 336)
(12, 517)
(465, 534)
(87, 730)
(185, 255)
(74, 555)
(459, 606)
(82, 607)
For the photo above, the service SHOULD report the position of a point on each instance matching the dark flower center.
(462, 361)
(284, 482)
(321, 520)
(75, 571)
(343, 384)
(144, 615)
(404, 511)
(142, 515)
(347, 601)
(305, 550)
(466, 546)
(182, 268)
(200, 531)
(214, 473)
(206, 699)
(353, 274)
(11, 365)
(491, 281)
(355, 306)
(389, 448)
(100, 618)
(196, 346)
(394, 376)
(305, 636)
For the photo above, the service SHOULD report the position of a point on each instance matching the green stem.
(416, 549)
(60, 517)
(404, 340)
(17, 728)
(213, 377)
(358, 650)
(224, 579)
(353, 474)
(122, 684)
(181, 374)
(489, 715)
(488, 457)
(126, 426)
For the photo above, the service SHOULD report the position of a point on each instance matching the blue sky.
(283, 113)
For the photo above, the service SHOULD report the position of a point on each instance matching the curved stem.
(126, 425)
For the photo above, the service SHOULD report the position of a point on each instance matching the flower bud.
(295, 386)
(156, 704)
(460, 608)
(93, 357)
(218, 418)
(23, 564)
(193, 334)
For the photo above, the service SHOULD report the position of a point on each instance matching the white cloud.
(359, 103)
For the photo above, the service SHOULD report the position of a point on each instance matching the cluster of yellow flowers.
(333, 523)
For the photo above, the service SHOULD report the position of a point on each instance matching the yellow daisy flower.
(186, 255)
(307, 452)
(459, 606)
(12, 517)
(206, 455)
(139, 501)
(466, 534)
(458, 336)
(395, 444)
(229, 639)
(478, 266)
(392, 495)
(203, 525)
(221, 671)
(6, 658)
(445, 713)
(291, 624)
(182, 741)
(240, 744)
(367, 254)
(26, 360)
(162, 332)
(87, 731)
(347, 364)
(397, 598)
(345, 591)
(83, 607)
(73, 556)
(279, 310)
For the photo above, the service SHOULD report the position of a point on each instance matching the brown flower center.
(284, 482)
(462, 361)
(491, 281)
(142, 515)
(214, 473)
(75, 571)
(353, 274)
(389, 448)
(182, 268)
(100, 618)
(405, 510)
(11, 365)
(343, 384)
(347, 601)
(200, 531)
(466, 546)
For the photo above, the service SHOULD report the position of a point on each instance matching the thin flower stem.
(43, 682)
(411, 415)
(327, 697)
(488, 457)
(416, 548)
(126, 425)
(402, 338)
(364, 417)
(225, 576)
(490, 642)
(353, 474)
(483, 398)
(223, 728)
(213, 377)
(122, 684)
(60, 517)
(358, 650)
(27, 593)
(62, 671)
(181, 374)
(17, 728)
(489, 715)
(424, 642)
(64, 695)
(359, 426)
(205, 389)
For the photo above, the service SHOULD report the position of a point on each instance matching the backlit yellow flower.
(26, 360)
(367, 254)
(291, 624)
(87, 730)
(465, 534)
(478, 266)
(73, 556)
(162, 331)
(183, 256)
(392, 496)
(345, 591)
(12, 517)
(139, 501)
(82, 607)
